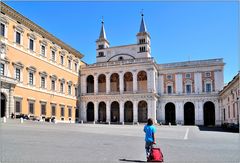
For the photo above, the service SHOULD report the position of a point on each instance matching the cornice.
(28, 23)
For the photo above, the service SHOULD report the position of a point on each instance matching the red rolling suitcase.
(155, 155)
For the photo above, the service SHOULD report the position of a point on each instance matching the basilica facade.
(126, 85)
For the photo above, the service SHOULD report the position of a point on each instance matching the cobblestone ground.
(48, 142)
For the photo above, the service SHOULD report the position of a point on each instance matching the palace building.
(43, 77)
(39, 72)
(127, 85)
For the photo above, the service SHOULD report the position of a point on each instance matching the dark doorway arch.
(142, 111)
(90, 111)
(189, 114)
(101, 83)
(115, 116)
(209, 113)
(128, 111)
(170, 113)
(3, 105)
(102, 112)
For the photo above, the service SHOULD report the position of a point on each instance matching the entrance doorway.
(115, 112)
(128, 111)
(209, 113)
(102, 112)
(3, 105)
(90, 111)
(189, 114)
(170, 115)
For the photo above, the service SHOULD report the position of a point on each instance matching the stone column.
(196, 104)
(121, 79)
(83, 84)
(135, 111)
(135, 83)
(179, 112)
(108, 111)
(217, 113)
(163, 112)
(83, 114)
(152, 109)
(107, 82)
(161, 85)
(121, 108)
(151, 80)
(95, 83)
(11, 103)
(200, 113)
(95, 111)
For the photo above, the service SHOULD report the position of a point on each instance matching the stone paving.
(49, 142)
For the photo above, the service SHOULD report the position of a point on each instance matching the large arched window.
(114, 82)
(142, 81)
(90, 84)
(128, 82)
(101, 83)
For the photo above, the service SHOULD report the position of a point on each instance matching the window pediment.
(62, 80)
(53, 77)
(31, 68)
(19, 28)
(32, 36)
(18, 64)
(4, 20)
(43, 74)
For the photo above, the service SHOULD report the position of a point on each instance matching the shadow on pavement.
(126, 160)
(216, 129)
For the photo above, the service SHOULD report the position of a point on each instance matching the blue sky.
(180, 31)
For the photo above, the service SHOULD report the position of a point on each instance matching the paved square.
(48, 142)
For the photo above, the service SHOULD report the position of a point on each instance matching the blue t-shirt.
(149, 130)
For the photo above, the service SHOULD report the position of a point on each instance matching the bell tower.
(102, 42)
(143, 40)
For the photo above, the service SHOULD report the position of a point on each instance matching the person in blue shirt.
(150, 138)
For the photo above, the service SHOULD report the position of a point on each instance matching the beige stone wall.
(21, 54)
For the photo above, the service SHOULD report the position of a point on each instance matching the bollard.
(138, 123)
(169, 124)
(55, 121)
(94, 122)
(50, 120)
(4, 119)
(122, 123)
(21, 120)
(109, 123)
(81, 121)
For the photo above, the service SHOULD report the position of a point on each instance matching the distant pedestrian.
(150, 138)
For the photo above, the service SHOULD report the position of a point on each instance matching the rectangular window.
(62, 60)
(18, 37)
(31, 44)
(18, 74)
(208, 87)
(100, 46)
(188, 76)
(62, 111)
(53, 56)
(69, 90)
(30, 78)
(17, 106)
(188, 89)
(228, 111)
(76, 65)
(207, 74)
(53, 110)
(69, 112)
(43, 109)
(61, 87)
(53, 85)
(76, 92)
(233, 110)
(169, 89)
(169, 77)
(224, 115)
(69, 64)
(2, 29)
(31, 108)
(2, 69)
(42, 82)
(100, 54)
(43, 50)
